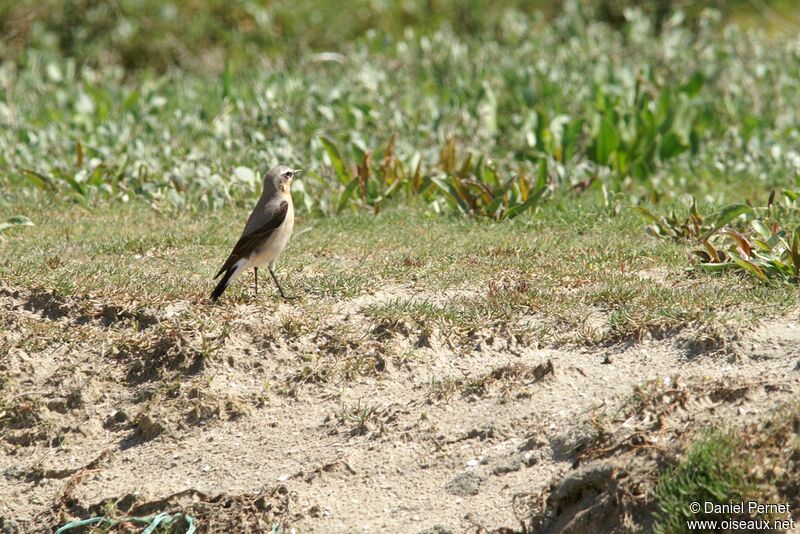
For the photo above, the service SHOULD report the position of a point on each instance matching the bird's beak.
(296, 172)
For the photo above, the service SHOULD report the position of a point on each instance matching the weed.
(509, 377)
(757, 245)
(709, 473)
(366, 418)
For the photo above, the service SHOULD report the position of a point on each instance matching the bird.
(266, 232)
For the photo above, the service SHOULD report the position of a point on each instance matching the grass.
(475, 122)
(571, 272)
(708, 473)
(510, 378)
(692, 448)
(361, 419)
(143, 35)
(488, 124)
(512, 174)
(754, 463)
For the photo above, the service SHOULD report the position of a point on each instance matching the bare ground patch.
(327, 419)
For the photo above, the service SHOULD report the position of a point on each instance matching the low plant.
(16, 220)
(475, 187)
(709, 473)
(739, 237)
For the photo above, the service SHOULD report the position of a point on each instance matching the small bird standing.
(266, 233)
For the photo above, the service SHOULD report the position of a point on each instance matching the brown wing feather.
(247, 243)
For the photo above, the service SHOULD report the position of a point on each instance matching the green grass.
(480, 167)
(708, 473)
(753, 463)
(465, 121)
(569, 273)
(208, 35)
(472, 178)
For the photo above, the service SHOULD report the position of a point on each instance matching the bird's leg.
(275, 278)
(255, 269)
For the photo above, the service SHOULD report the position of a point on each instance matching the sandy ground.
(345, 426)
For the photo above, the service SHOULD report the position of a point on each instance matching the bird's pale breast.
(270, 250)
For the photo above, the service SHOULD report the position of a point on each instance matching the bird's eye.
(287, 174)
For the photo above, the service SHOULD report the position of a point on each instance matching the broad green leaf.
(570, 139)
(607, 140)
(451, 192)
(39, 179)
(762, 245)
(671, 146)
(336, 159)
(346, 194)
(131, 100)
(715, 267)
(495, 208)
(541, 174)
(16, 220)
(761, 228)
(749, 266)
(694, 85)
(245, 175)
(794, 249)
(647, 214)
(532, 200)
(664, 110)
(726, 215)
(79, 188)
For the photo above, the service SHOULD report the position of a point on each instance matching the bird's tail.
(232, 271)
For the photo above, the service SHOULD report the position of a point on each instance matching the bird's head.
(280, 178)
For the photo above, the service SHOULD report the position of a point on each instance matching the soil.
(325, 420)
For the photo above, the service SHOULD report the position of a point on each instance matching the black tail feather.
(223, 284)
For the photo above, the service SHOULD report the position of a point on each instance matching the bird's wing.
(249, 242)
